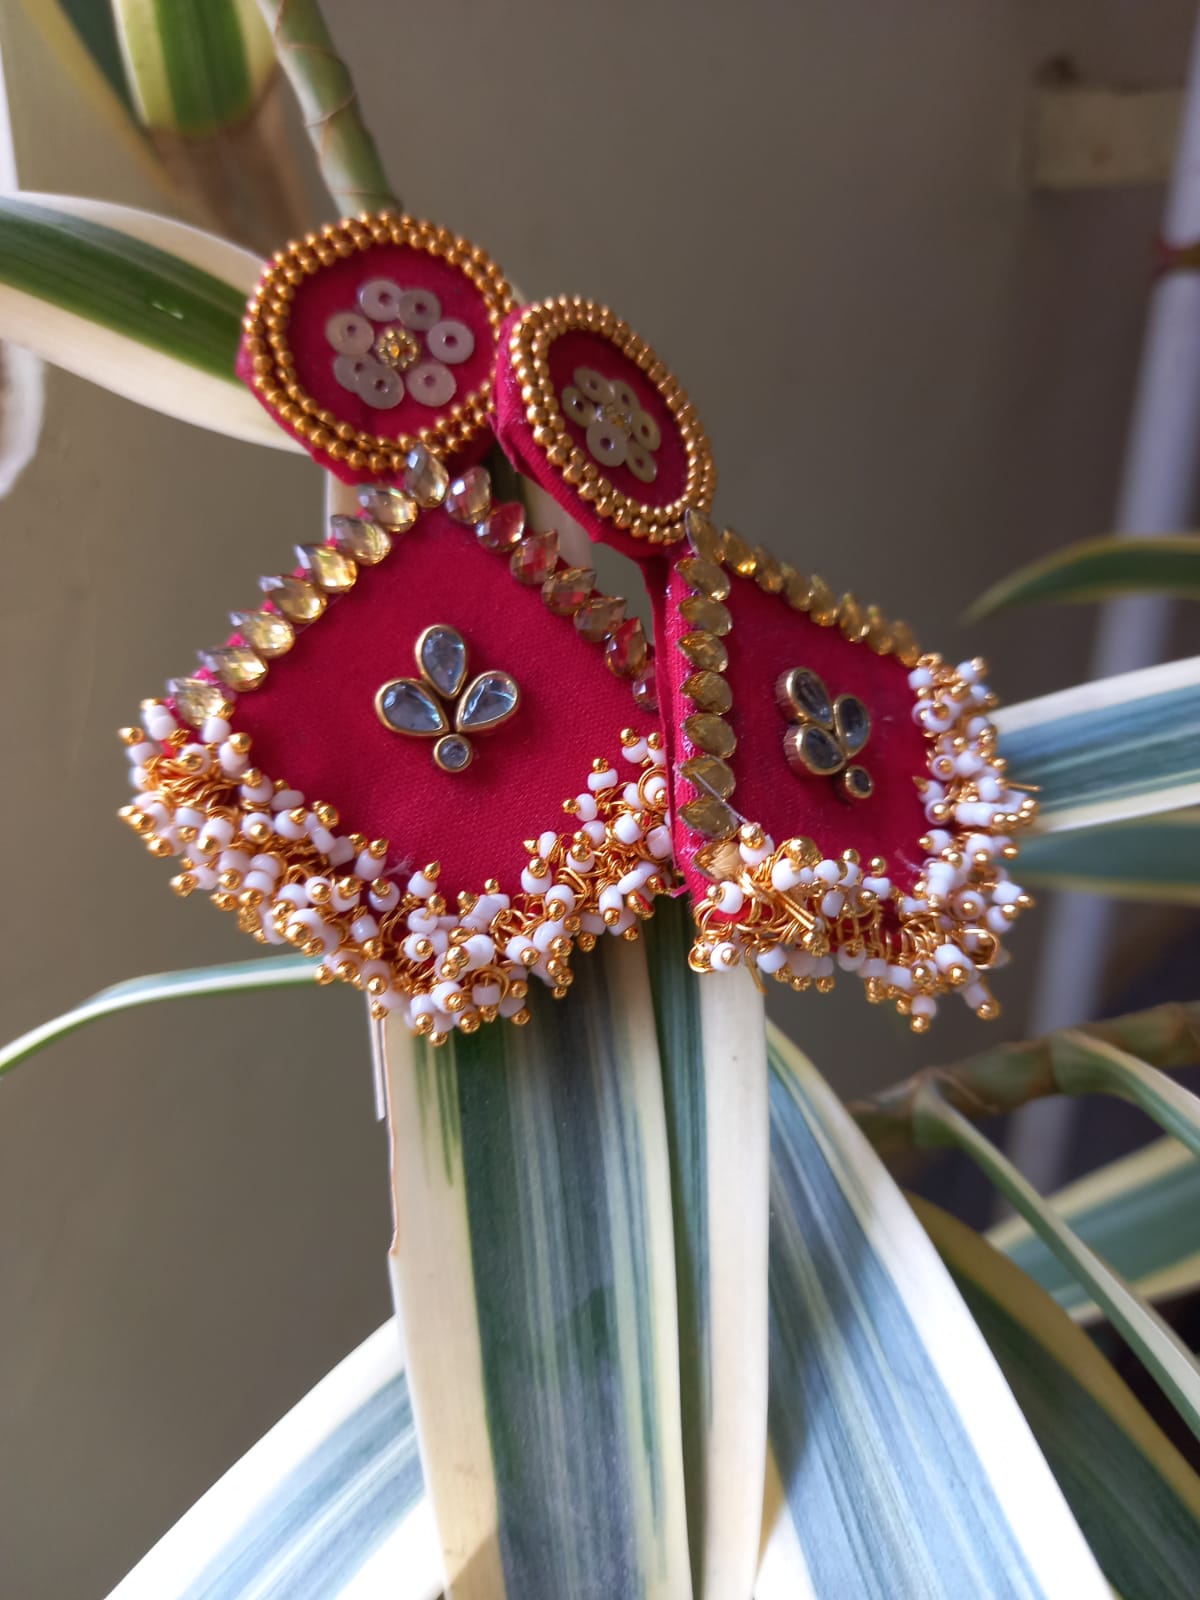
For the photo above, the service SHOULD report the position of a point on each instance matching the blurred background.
(915, 357)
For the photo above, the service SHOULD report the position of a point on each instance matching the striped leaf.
(193, 69)
(1123, 747)
(1084, 1064)
(712, 1045)
(1136, 1499)
(1156, 1345)
(535, 1280)
(145, 307)
(900, 1463)
(1149, 858)
(1099, 569)
(1141, 1214)
(270, 972)
(329, 1505)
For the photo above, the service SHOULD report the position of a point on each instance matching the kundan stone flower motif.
(422, 707)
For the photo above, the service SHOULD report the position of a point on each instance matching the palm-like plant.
(668, 1325)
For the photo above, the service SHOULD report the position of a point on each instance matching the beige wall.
(926, 383)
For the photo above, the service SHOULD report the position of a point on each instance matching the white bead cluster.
(797, 915)
(257, 848)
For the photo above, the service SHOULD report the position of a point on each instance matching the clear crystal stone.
(533, 559)
(442, 654)
(801, 693)
(453, 753)
(335, 572)
(390, 508)
(503, 528)
(597, 618)
(425, 478)
(645, 689)
(470, 496)
(235, 665)
(628, 649)
(299, 600)
(702, 536)
(489, 700)
(852, 721)
(366, 541)
(268, 632)
(565, 591)
(858, 783)
(409, 707)
(196, 699)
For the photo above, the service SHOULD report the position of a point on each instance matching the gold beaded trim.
(707, 571)
(529, 344)
(274, 371)
(360, 542)
(581, 879)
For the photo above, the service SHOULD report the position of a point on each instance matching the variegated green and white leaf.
(1153, 858)
(147, 308)
(193, 69)
(535, 1279)
(1122, 747)
(1156, 1345)
(1135, 1497)
(900, 1462)
(269, 972)
(1141, 1214)
(1084, 1064)
(1101, 569)
(713, 1049)
(329, 1505)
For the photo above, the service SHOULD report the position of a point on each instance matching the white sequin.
(592, 386)
(381, 299)
(350, 334)
(606, 443)
(576, 407)
(450, 341)
(646, 431)
(419, 309)
(431, 384)
(640, 462)
(376, 385)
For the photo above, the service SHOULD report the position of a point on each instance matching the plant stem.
(999, 1080)
(346, 155)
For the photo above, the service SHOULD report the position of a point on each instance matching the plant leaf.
(267, 972)
(1127, 746)
(81, 286)
(1149, 858)
(1135, 1497)
(534, 1274)
(330, 1502)
(713, 1049)
(1141, 1214)
(1099, 569)
(901, 1463)
(193, 69)
(1156, 1345)
(1087, 1065)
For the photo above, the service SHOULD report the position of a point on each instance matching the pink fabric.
(334, 288)
(767, 639)
(581, 348)
(314, 724)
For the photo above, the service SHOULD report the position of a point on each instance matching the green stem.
(346, 155)
(1007, 1077)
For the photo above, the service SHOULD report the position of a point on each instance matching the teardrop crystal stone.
(425, 477)
(852, 721)
(268, 632)
(408, 707)
(534, 558)
(812, 749)
(469, 498)
(392, 509)
(360, 538)
(488, 701)
(597, 618)
(236, 665)
(442, 657)
(196, 699)
(299, 600)
(802, 694)
(334, 571)
(503, 528)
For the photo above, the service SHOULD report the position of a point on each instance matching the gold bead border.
(274, 373)
(185, 776)
(529, 343)
(715, 557)
(332, 571)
